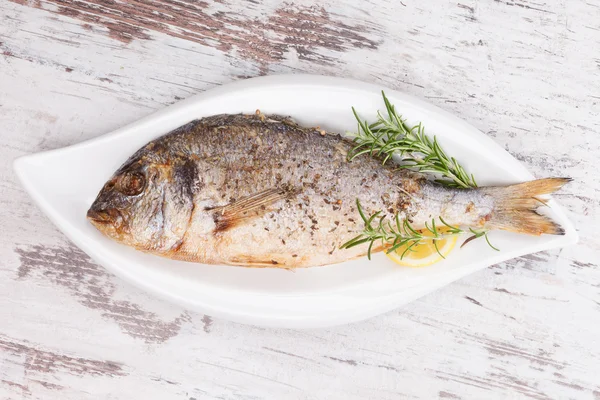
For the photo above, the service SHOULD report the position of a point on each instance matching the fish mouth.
(103, 217)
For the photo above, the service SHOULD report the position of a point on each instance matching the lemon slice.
(424, 253)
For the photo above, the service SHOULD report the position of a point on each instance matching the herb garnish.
(392, 136)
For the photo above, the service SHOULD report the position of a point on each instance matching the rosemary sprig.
(478, 234)
(397, 233)
(389, 136)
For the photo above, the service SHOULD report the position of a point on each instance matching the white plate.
(64, 183)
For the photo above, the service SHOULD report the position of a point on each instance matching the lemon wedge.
(424, 253)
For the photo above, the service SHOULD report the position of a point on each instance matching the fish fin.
(516, 207)
(249, 207)
(254, 263)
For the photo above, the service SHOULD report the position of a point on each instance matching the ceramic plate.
(64, 183)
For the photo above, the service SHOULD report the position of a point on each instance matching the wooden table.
(525, 72)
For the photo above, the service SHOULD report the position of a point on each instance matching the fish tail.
(516, 207)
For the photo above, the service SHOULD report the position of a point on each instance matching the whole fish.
(258, 190)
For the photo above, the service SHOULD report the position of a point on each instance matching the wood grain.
(527, 73)
(92, 287)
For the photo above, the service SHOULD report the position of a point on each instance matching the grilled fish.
(256, 190)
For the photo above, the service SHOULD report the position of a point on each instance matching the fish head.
(124, 204)
(144, 205)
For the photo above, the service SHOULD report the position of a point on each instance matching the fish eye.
(132, 183)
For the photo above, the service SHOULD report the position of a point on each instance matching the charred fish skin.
(258, 190)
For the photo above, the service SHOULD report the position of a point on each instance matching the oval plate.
(64, 183)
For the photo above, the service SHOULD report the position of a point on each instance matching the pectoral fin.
(247, 208)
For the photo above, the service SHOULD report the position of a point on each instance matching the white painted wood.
(526, 73)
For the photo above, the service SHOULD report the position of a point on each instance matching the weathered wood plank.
(71, 70)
